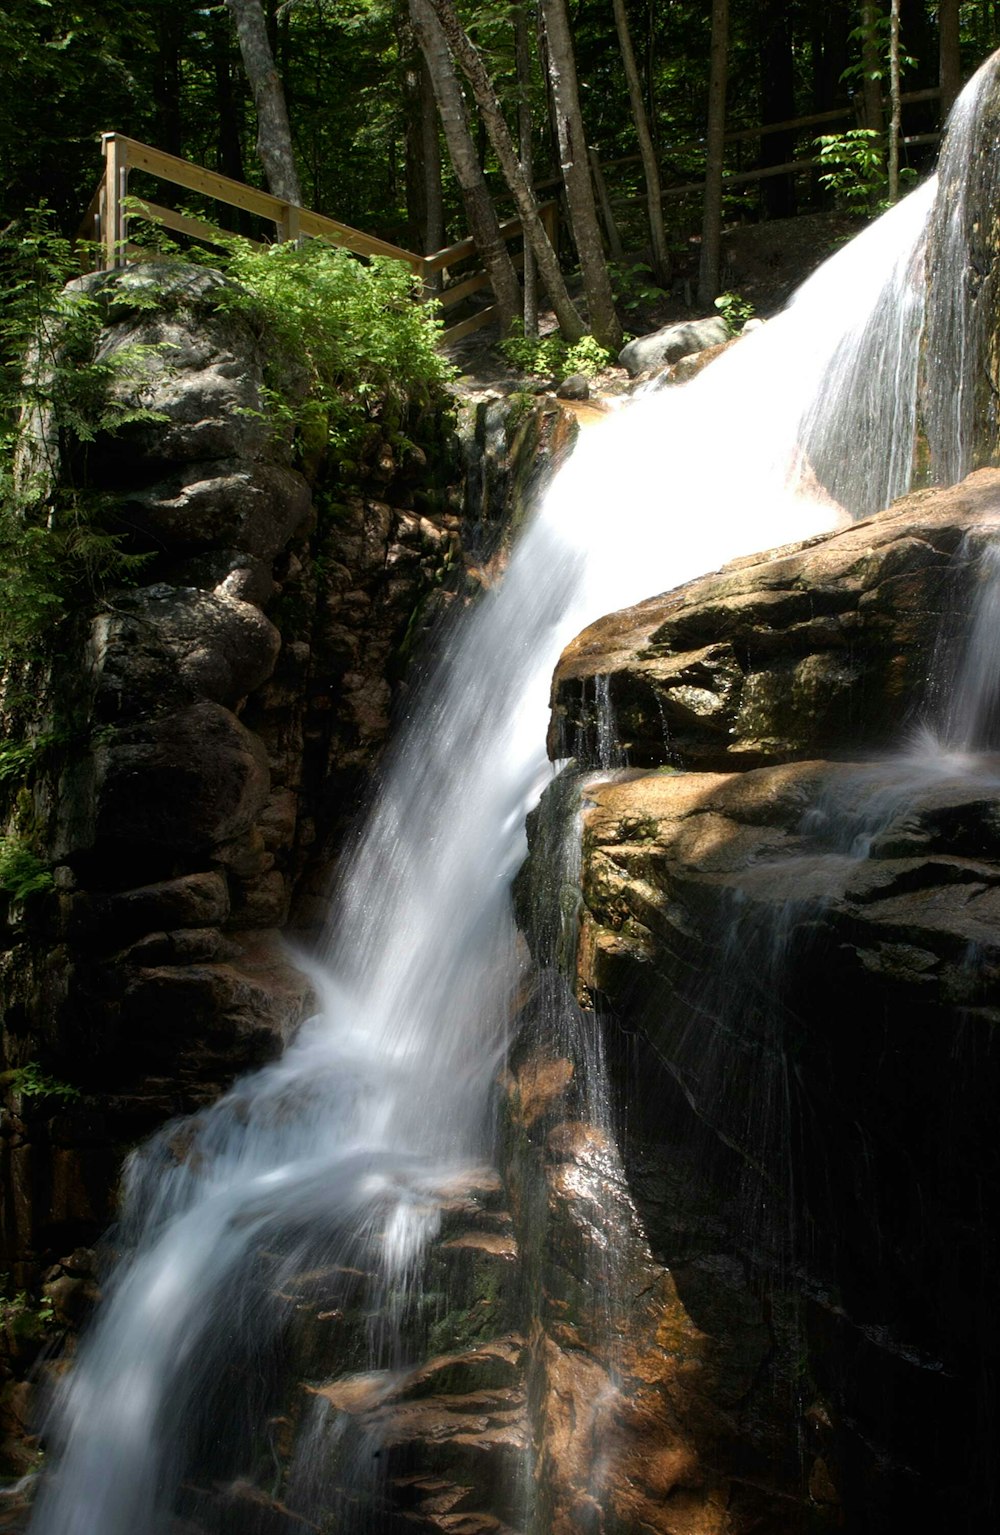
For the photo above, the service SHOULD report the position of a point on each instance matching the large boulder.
(786, 654)
(671, 343)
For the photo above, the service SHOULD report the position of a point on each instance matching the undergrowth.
(22, 872)
(58, 541)
(551, 356)
(354, 326)
(351, 327)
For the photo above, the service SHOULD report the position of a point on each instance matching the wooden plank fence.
(105, 225)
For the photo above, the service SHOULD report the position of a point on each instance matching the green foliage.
(17, 758)
(352, 326)
(854, 169)
(634, 286)
(550, 356)
(22, 873)
(877, 34)
(57, 394)
(735, 310)
(586, 356)
(25, 1318)
(540, 356)
(31, 1082)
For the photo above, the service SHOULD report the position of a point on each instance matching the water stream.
(337, 1153)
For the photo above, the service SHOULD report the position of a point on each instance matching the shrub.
(550, 356)
(355, 326)
(22, 873)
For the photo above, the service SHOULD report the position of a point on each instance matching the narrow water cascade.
(346, 1156)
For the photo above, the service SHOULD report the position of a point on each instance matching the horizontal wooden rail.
(105, 224)
(122, 155)
(745, 135)
(181, 223)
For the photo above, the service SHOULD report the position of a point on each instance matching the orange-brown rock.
(788, 654)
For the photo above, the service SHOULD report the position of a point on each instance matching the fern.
(22, 872)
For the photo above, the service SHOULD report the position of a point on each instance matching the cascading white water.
(339, 1148)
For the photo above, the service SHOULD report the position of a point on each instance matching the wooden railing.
(741, 178)
(105, 226)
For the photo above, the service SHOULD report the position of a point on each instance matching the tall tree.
(169, 22)
(424, 192)
(871, 65)
(274, 137)
(474, 70)
(650, 166)
(228, 106)
(711, 229)
(777, 102)
(949, 55)
(575, 165)
(479, 210)
(896, 105)
(525, 150)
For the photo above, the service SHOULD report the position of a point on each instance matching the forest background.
(359, 99)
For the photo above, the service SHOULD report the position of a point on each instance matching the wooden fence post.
(290, 226)
(549, 215)
(114, 230)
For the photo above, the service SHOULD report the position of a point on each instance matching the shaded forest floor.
(763, 263)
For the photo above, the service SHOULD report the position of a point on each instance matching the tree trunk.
(167, 80)
(896, 113)
(949, 56)
(871, 65)
(830, 54)
(434, 236)
(651, 170)
(473, 68)
(229, 110)
(777, 93)
(479, 210)
(424, 196)
(576, 176)
(274, 138)
(711, 229)
(522, 64)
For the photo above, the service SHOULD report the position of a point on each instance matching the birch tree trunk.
(711, 228)
(651, 170)
(274, 137)
(484, 225)
(465, 52)
(575, 166)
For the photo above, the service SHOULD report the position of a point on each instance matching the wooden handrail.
(122, 154)
(106, 221)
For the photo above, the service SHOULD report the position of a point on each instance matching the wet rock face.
(787, 655)
(223, 717)
(798, 965)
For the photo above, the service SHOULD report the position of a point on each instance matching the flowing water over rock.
(349, 1157)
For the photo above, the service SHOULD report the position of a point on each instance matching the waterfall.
(340, 1153)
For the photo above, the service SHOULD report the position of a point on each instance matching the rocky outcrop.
(796, 958)
(789, 654)
(671, 343)
(210, 731)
